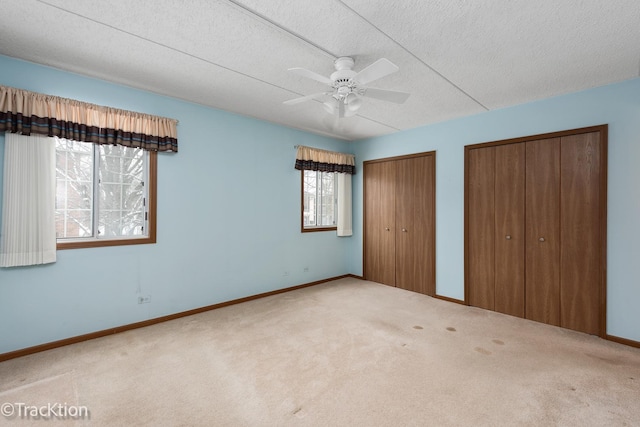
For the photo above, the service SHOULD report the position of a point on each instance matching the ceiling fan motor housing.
(342, 78)
(344, 63)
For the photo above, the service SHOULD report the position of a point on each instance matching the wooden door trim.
(466, 261)
(604, 132)
(403, 157)
(604, 150)
(559, 134)
(434, 291)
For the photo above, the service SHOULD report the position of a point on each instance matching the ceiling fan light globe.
(330, 106)
(353, 103)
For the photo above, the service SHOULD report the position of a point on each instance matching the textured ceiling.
(456, 58)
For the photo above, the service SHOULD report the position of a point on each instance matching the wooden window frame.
(151, 220)
(302, 227)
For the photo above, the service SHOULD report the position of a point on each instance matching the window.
(105, 195)
(319, 198)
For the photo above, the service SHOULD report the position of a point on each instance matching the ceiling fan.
(347, 86)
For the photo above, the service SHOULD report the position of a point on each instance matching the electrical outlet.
(285, 274)
(144, 299)
(306, 269)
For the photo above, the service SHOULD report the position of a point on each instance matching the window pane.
(310, 196)
(319, 198)
(78, 223)
(327, 199)
(74, 189)
(122, 192)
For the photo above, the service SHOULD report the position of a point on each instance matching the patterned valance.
(314, 159)
(27, 112)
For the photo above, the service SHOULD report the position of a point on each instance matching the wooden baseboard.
(103, 333)
(457, 301)
(619, 340)
(624, 341)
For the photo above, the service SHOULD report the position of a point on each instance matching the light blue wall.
(617, 105)
(228, 224)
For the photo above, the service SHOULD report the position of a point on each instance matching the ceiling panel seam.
(279, 27)
(167, 47)
(378, 122)
(401, 46)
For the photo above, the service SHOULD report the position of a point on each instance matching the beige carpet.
(344, 353)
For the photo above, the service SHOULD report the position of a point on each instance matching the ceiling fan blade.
(385, 95)
(311, 75)
(382, 67)
(306, 98)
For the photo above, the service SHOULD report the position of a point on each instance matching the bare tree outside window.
(101, 191)
(74, 189)
(319, 194)
(122, 194)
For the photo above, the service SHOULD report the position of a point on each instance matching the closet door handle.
(386, 228)
(404, 230)
(541, 239)
(508, 237)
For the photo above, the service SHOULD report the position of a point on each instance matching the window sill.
(314, 229)
(98, 243)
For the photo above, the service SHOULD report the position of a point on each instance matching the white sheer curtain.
(28, 234)
(344, 205)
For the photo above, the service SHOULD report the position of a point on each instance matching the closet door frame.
(603, 130)
(432, 247)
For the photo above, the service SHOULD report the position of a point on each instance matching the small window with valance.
(326, 189)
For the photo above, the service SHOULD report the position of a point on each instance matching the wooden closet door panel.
(379, 222)
(415, 224)
(481, 228)
(509, 229)
(580, 233)
(542, 300)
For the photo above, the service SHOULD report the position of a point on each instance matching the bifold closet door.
(535, 219)
(543, 231)
(496, 228)
(510, 229)
(399, 222)
(415, 212)
(481, 228)
(379, 222)
(580, 227)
